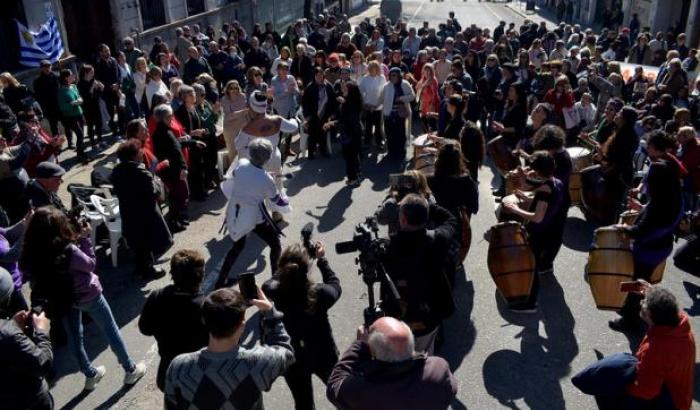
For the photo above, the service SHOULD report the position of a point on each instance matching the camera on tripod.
(373, 250)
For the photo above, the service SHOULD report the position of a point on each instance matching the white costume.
(247, 187)
(244, 139)
(274, 165)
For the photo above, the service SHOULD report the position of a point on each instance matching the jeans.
(101, 314)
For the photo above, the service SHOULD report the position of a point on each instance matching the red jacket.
(42, 150)
(691, 161)
(565, 100)
(666, 357)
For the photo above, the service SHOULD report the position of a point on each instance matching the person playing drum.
(540, 212)
(653, 230)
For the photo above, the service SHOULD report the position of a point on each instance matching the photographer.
(26, 355)
(410, 182)
(305, 306)
(415, 262)
(199, 380)
(61, 264)
(382, 371)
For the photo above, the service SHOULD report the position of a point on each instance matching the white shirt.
(371, 90)
(155, 87)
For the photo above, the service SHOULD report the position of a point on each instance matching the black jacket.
(311, 333)
(142, 222)
(166, 146)
(309, 102)
(302, 69)
(174, 318)
(415, 262)
(46, 92)
(40, 197)
(107, 72)
(24, 361)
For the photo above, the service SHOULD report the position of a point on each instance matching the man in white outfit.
(247, 186)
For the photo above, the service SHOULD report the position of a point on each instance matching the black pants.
(268, 234)
(53, 123)
(298, 378)
(351, 153)
(317, 137)
(687, 257)
(395, 135)
(196, 176)
(373, 121)
(544, 247)
(93, 120)
(74, 125)
(143, 261)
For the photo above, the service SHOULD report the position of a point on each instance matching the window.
(152, 13)
(195, 7)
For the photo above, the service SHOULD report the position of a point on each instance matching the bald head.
(390, 340)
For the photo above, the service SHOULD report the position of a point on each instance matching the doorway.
(88, 23)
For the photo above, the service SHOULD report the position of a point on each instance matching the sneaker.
(91, 382)
(135, 375)
(623, 325)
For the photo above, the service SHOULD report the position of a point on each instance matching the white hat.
(258, 102)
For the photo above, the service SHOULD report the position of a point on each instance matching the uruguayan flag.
(46, 44)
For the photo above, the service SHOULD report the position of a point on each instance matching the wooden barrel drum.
(502, 155)
(610, 262)
(511, 262)
(424, 155)
(598, 204)
(581, 158)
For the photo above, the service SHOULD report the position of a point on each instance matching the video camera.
(372, 250)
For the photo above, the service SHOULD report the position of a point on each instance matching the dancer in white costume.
(263, 125)
(247, 186)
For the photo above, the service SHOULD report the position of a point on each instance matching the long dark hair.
(450, 161)
(296, 292)
(353, 102)
(45, 259)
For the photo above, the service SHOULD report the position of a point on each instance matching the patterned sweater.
(231, 380)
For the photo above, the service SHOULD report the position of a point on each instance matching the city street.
(500, 360)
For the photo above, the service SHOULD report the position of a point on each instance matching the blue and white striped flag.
(46, 44)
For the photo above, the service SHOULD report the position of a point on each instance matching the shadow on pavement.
(693, 291)
(459, 329)
(534, 373)
(578, 234)
(333, 212)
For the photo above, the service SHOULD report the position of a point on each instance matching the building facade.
(86, 23)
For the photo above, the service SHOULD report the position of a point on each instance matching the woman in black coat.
(143, 225)
(305, 306)
(350, 125)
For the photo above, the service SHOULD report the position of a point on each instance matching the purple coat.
(10, 249)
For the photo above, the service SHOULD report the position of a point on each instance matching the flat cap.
(49, 170)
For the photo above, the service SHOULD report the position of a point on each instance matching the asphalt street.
(500, 360)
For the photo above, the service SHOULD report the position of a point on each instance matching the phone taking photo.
(630, 287)
(246, 284)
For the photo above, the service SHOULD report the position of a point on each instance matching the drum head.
(577, 152)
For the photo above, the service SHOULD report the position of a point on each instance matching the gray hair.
(184, 90)
(385, 351)
(162, 111)
(260, 151)
(198, 89)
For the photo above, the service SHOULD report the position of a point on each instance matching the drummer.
(653, 230)
(541, 213)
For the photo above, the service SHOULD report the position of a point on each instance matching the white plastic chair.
(109, 210)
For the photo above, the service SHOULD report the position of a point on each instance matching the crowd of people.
(524, 93)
